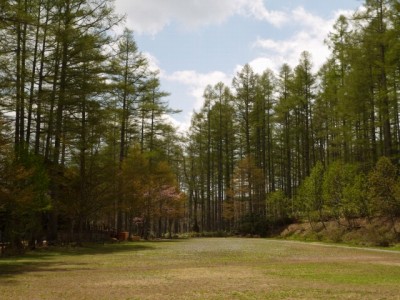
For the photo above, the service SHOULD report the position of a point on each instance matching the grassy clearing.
(217, 268)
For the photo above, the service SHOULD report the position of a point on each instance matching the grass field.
(218, 268)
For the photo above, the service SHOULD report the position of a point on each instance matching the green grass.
(205, 268)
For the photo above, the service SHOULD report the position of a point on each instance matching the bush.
(253, 224)
(384, 189)
(335, 235)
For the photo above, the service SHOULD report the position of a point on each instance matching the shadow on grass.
(51, 259)
(93, 249)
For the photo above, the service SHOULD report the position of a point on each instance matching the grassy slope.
(229, 268)
(373, 232)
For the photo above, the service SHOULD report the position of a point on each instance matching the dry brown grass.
(217, 268)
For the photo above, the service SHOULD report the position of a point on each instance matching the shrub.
(253, 224)
(384, 189)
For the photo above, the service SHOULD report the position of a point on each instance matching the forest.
(87, 151)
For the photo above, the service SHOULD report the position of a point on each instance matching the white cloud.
(305, 19)
(151, 16)
(197, 82)
(194, 84)
(310, 37)
(257, 9)
(181, 127)
(153, 63)
(261, 64)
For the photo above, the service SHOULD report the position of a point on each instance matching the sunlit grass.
(217, 268)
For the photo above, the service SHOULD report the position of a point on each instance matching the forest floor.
(203, 268)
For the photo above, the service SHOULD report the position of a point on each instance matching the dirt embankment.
(372, 232)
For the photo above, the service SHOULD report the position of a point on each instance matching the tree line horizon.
(85, 145)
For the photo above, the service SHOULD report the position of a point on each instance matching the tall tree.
(284, 118)
(130, 69)
(244, 84)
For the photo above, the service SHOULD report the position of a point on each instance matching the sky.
(194, 43)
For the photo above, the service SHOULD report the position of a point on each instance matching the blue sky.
(198, 42)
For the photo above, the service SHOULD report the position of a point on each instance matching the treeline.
(84, 139)
(85, 146)
(273, 148)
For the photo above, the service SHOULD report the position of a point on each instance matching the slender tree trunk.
(23, 77)
(18, 115)
(208, 166)
(50, 123)
(40, 84)
(387, 135)
(33, 76)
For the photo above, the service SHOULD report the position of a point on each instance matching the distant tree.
(284, 118)
(263, 139)
(135, 182)
(342, 193)
(172, 205)
(246, 178)
(129, 71)
(278, 207)
(383, 189)
(303, 95)
(355, 198)
(25, 199)
(244, 84)
(310, 196)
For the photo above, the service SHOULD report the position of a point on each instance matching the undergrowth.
(373, 233)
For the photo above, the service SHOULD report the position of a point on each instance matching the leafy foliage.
(384, 187)
(24, 199)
